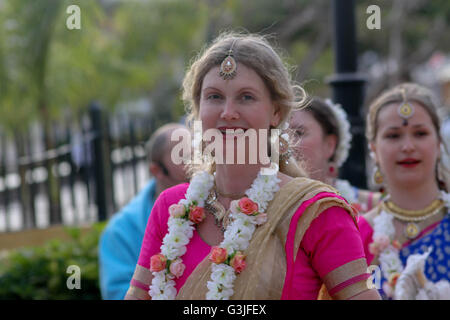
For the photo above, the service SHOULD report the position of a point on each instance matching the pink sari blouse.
(331, 244)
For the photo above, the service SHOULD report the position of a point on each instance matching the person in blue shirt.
(121, 240)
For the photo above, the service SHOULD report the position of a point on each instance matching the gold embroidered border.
(138, 293)
(345, 272)
(142, 275)
(351, 290)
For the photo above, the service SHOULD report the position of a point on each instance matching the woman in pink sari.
(244, 228)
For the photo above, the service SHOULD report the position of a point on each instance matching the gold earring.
(377, 176)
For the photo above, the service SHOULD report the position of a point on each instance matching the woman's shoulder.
(173, 194)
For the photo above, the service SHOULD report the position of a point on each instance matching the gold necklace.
(214, 207)
(412, 229)
(413, 215)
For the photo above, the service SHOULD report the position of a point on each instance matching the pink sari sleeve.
(331, 252)
(366, 232)
(154, 234)
(337, 254)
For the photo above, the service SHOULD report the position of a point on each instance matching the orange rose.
(238, 262)
(157, 262)
(393, 279)
(396, 244)
(218, 255)
(196, 214)
(248, 206)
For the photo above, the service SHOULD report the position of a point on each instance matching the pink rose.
(218, 255)
(382, 241)
(196, 214)
(238, 262)
(261, 218)
(248, 206)
(157, 262)
(177, 268)
(396, 244)
(176, 210)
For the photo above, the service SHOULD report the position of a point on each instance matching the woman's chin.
(407, 181)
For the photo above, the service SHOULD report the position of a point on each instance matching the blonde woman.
(408, 234)
(236, 231)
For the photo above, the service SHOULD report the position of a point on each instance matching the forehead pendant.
(405, 110)
(228, 66)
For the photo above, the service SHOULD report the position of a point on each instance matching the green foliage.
(40, 273)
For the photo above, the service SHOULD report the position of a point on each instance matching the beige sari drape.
(263, 279)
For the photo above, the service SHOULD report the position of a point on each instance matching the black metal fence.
(97, 164)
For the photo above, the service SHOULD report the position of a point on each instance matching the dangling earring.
(377, 176)
(284, 149)
(332, 171)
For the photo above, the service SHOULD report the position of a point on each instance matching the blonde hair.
(404, 92)
(255, 52)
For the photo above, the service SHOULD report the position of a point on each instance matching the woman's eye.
(421, 133)
(213, 96)
(247, 97)
(299, 133)
(392, 135)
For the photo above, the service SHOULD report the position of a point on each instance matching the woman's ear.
(373, 149)
(276, 117)
(330, 145)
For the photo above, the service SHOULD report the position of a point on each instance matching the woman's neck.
(235, 179)
(414, 198)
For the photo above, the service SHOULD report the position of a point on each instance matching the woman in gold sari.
(246, 229)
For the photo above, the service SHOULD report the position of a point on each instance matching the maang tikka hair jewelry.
(228, 66)
(405, 110)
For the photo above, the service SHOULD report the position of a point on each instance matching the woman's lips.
(232, 132)
(409, 163)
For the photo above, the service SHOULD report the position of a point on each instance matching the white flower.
(161, 289)
(446, 198)
(345, 136)
(183, 226)
(390, 261)
(383, 225)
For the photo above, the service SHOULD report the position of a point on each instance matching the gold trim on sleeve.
(345, 272)
(137, 293)
(351, 290)
(142, 275)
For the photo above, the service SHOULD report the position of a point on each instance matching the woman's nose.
(408, 144)
(229, 111)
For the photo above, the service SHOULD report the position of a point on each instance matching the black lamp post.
(348, 88)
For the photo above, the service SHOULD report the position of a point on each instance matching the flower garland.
(228, 258)
(345, 137)
(388, 249)
(167, 265)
